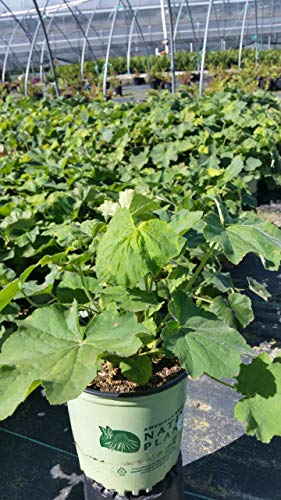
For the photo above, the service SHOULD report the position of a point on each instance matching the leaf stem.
(162, 322)
(86, 290)
(221, 382)
(146, 282)
(153, 351)
(200, 267)
(201, 298)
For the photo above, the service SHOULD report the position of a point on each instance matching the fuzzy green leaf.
(201, 342)
(184, 220)
(260, 409)
(10, 291)
(127, 252)
(53, 349)
(137, 370)
(242, 308)
(259, 289)
(162, 154)
(246, 234)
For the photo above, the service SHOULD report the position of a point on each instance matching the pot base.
(171, 488)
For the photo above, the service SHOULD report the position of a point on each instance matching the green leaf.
(137, 370)
(260, 409)
(184, 220)
(11, 290)
(242, 308)
(72, 287)
(6, 274)
(135, 300)
(126, 252)
(246, 234)
(162, 154)
(234, 169)
(235, 307)
(115, 333)
(51, 348)
(202, 344)
(259, 289)
(221, 308)
(139, 160)
(141, 204)
(221, 281)
(252, 163)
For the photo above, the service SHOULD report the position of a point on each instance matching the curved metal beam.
(43, 48)
(192, 26)
(177, 21)
(28, 36)
(109, 46)
(201, 82)
(8, 51)
(242, 34)
(134, 15)
(48, 44)
(29, 59)
(85, 39)
(81, 27)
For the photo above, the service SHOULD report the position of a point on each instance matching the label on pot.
(159, 434)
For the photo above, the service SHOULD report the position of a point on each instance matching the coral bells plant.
(150, 288)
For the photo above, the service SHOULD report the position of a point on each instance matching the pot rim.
(127, 395)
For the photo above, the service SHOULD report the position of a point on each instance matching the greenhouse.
(140, 249)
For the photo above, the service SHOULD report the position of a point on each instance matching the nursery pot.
(138, 80)
(155, 83)
(118, 90)
(128, 442)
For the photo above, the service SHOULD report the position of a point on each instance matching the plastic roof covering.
(81, 28)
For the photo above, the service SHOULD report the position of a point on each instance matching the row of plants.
(184, 61)
(116, 223)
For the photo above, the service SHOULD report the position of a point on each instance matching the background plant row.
(59, 161)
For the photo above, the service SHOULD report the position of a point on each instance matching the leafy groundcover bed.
(128, 215)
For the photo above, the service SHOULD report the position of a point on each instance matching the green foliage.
(123, 213)
(260, 383)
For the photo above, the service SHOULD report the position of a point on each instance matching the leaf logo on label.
(122, 441)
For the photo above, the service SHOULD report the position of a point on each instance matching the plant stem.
(153, 351)
(163, 321)
(146, 282)
(200, 267)
(88, 295)
(200, 298)
(221, 382)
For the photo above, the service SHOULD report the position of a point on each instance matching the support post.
(172, 48)
(163, 18)
(109, 46)
(86, 39)
(7, 52)
(135, 21)
(256, 32)
(192, 26)
(201, 82)
(48, 47)
(242, 34)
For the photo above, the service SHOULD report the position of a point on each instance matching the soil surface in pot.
(110, 379)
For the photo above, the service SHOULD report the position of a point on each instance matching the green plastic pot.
(129, 442)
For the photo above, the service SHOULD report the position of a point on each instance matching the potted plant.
(138, 79)
(116, 86)
(154, 307)
(155, 79)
